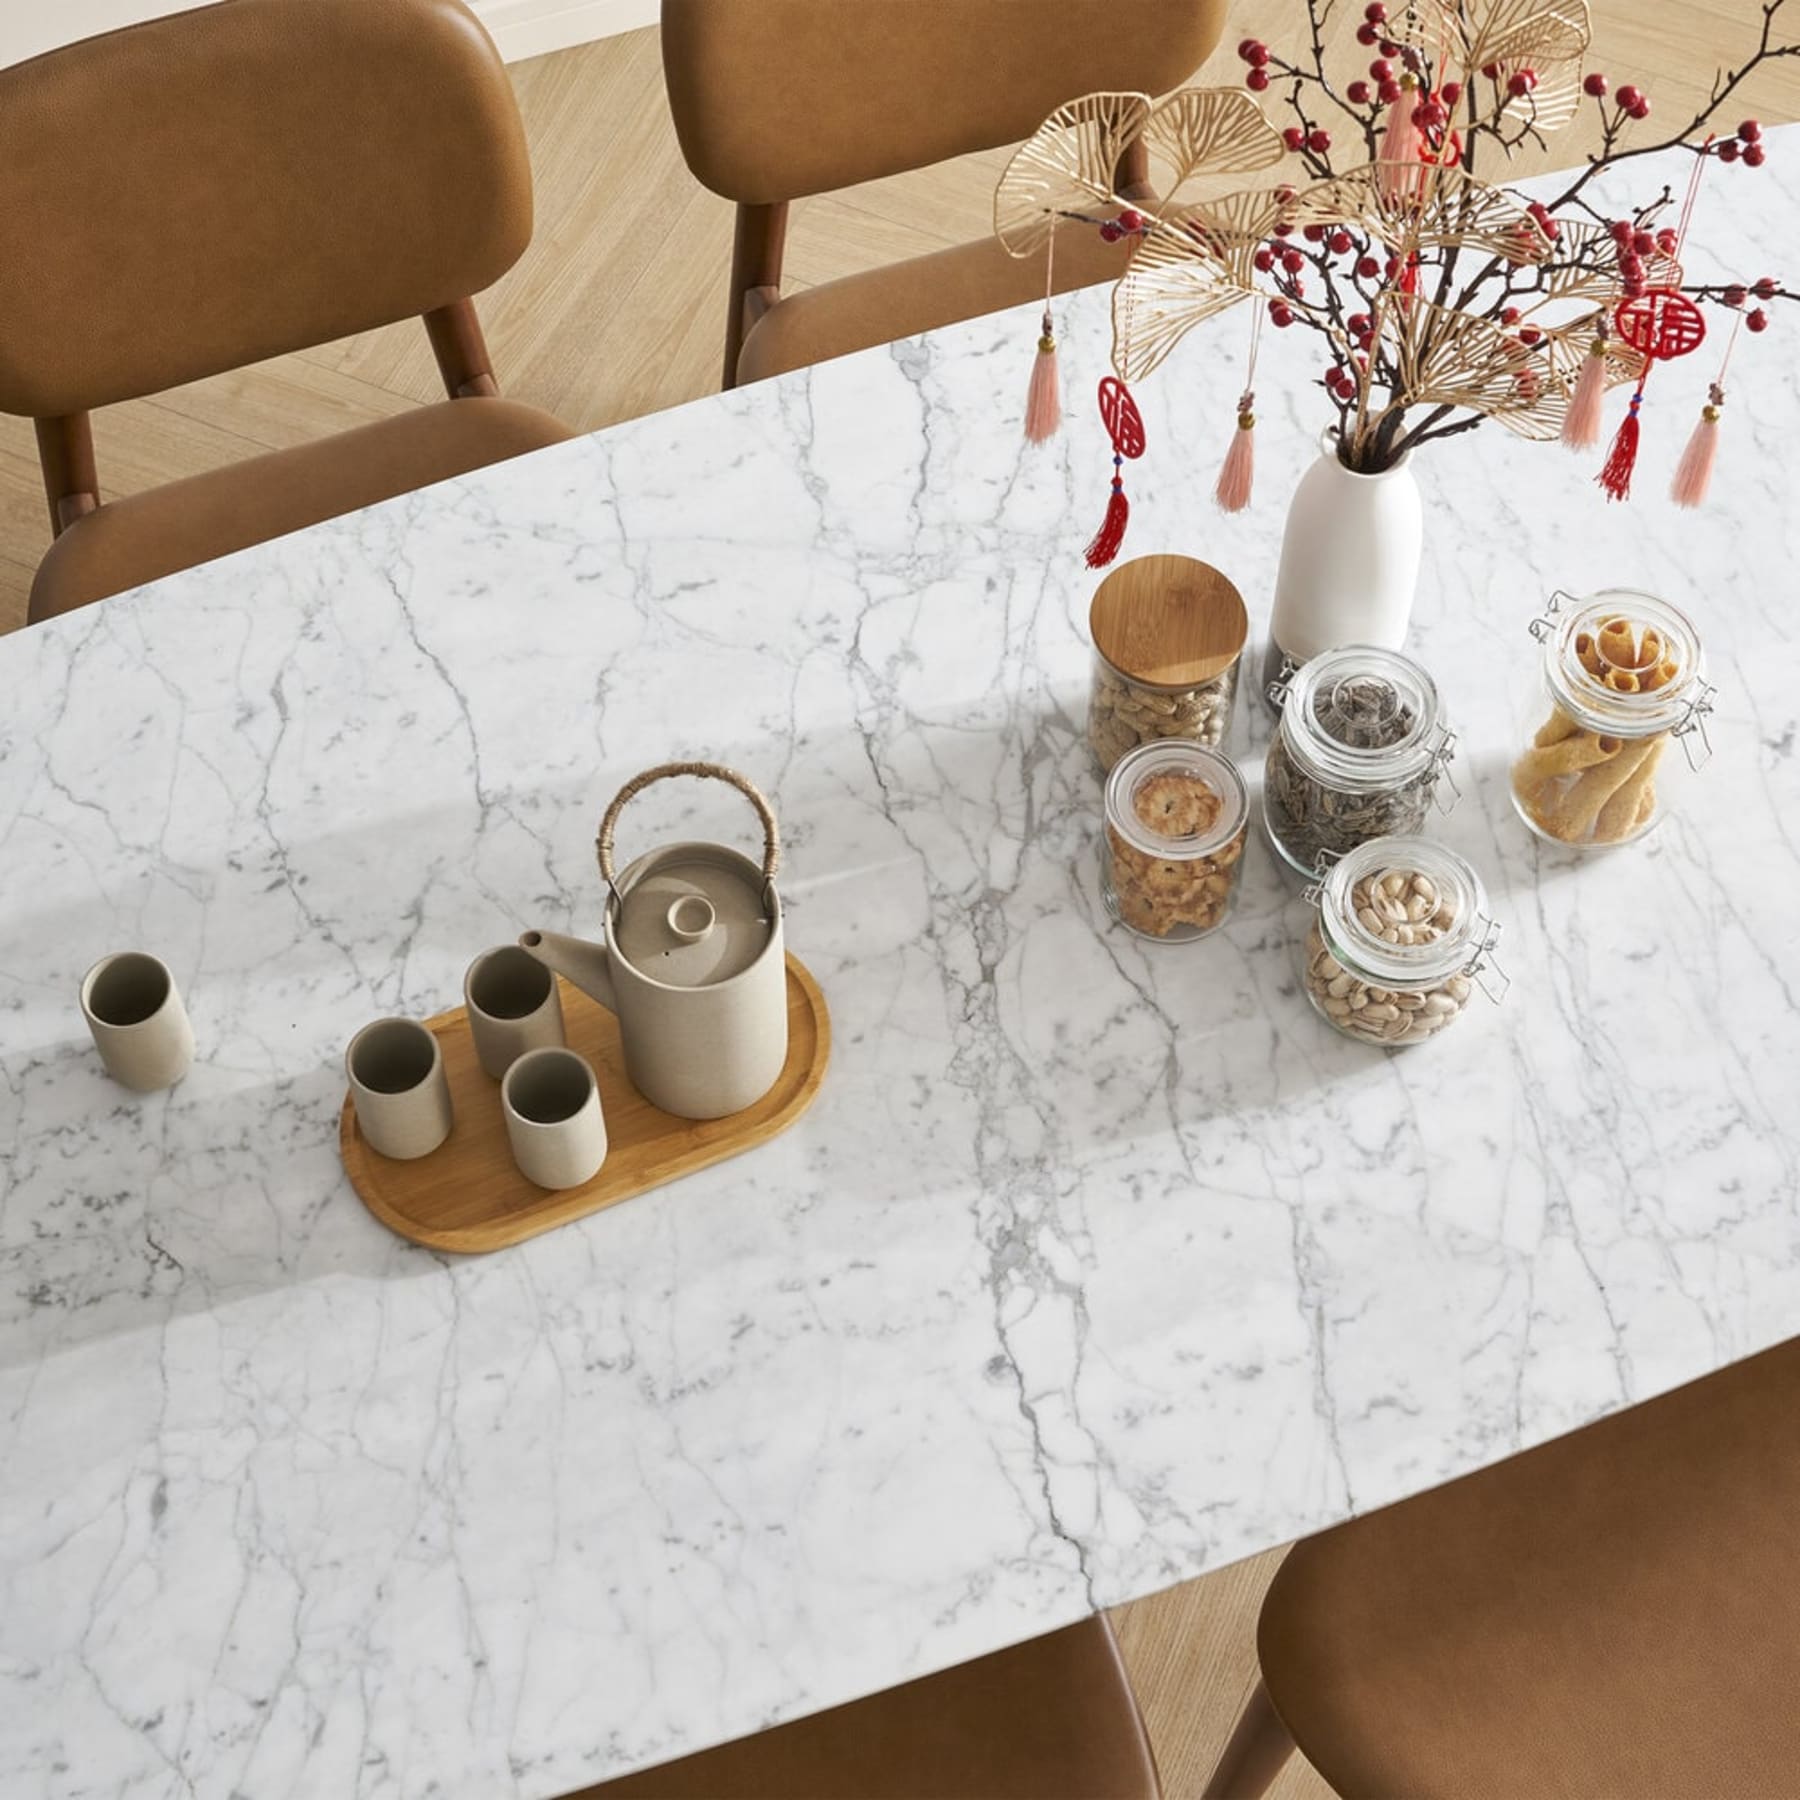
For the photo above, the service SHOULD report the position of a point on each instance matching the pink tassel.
(1043, 399)
(1239, 471)
(1587, 405)
(1402, 172)
(1615, 477)
(1693, 473)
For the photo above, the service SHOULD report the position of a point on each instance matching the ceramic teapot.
(690, 961)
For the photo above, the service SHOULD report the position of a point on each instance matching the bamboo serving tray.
(468, 1195)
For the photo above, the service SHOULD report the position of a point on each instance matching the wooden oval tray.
(468, 1194)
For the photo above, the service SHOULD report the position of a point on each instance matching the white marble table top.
(1096, 1265)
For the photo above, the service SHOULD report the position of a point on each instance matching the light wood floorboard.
(617, 310)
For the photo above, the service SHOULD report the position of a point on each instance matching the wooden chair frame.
(66, 444)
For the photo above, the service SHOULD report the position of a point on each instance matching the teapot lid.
(693, 915)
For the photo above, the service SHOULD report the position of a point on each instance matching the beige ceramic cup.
(553, 1118)
(402, 1095)
(513, 1006)
(140, 1027)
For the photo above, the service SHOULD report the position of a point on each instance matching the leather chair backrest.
(203, 191)
(775, 99)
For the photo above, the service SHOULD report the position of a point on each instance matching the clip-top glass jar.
(1624, 675)
(1402, 938)
(1172, 852)
(1168, 632)
(1358, 754)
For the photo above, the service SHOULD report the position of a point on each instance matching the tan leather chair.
(779, 99)
(1616, 1613)
(1053, 1719)
(197, 193)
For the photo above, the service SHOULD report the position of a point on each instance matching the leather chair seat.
(1053, 1719)
(128, 542)
(1614, 1613)
(881, 305)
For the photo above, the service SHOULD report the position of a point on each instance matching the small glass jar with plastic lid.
(1172, 853)
(1168, 635)
(1624, 674)
(1402, 939)
(1361, 752)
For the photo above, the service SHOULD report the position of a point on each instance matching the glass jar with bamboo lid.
(1624, 675)
(1168, 632)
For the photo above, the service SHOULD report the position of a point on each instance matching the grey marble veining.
(1096, 1265)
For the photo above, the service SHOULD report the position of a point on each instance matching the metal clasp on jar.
(1314, 891)
(1482, 968)
(1545, 623)
(1277, 690)
(1441, 753)
(1692, 726)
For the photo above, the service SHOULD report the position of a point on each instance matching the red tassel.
(1111, 535)
(1622, 459)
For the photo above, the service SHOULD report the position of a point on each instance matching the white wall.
(521, 27)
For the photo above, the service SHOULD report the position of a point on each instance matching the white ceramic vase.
(1349, 561)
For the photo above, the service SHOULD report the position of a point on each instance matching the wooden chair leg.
(1258, 1750)
(66, 456)
(1131, 179)
(461, 350)
(756, 252)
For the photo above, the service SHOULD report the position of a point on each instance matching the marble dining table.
(1097, 1263)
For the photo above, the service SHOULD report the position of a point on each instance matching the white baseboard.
(521, 28)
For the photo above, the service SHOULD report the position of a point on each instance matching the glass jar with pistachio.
(1359, 753)
(1401, 936)
(1168, 633)
(1173, 849)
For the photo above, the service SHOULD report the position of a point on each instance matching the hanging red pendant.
(1660, 323)
(1125, 426)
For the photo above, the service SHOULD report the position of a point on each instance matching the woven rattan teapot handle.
(706, 771)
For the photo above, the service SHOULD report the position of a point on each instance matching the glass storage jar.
(1173, 848)
(1359, 753)
(1168, 632)
(1401, 937)
(1624, 674)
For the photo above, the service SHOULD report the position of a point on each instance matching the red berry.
(1264, 260)
(1131, 219)
(1594, 84)
(1520, 82)
(1314, 234)
(1632, 289)
(1359, 324)
(1622, 232)
(1245, 46)
(1357, 93)
(1389, 47)
(1259, 54)
(1757, 320)
(1257, 80)
(1529, 335)
(1666, 241)
(1392, 267)
(1409, 54)
(1629, 97)
(1763, 287)
(1450, 92)
(1367, 34)
(1375, 12)
(1381, 70)
(1735, 295)
(1110, 232)
(1280, 313)
(1753, 156)
(1642, 242)
(1368, 268)
(1294, 137)
(1510, 315)
(1293, 261)
(1389, 92)
(1340, 242)
(1319, 142)
(1282, 230)
(1749, 131)
(1727, 151)
(1631, 267)
(1491, 71)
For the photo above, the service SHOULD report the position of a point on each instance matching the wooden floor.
(617, 310)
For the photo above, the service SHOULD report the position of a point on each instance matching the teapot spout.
(576, 960)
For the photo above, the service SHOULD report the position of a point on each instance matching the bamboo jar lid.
(1168, 621)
